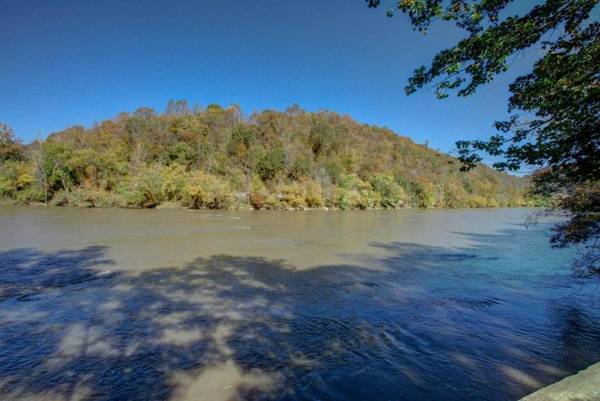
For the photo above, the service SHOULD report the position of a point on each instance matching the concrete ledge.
(583, 386)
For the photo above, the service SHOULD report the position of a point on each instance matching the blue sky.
(78, 62)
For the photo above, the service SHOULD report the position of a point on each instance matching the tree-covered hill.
(217, 158)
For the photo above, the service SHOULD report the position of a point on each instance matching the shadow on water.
(429, 324)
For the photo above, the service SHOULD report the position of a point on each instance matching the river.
(377, 305)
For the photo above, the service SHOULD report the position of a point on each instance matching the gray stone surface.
(583, 386)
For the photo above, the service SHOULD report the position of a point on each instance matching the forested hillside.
(217, 158)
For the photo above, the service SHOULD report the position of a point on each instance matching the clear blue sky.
(78, 62)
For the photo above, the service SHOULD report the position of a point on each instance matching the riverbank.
(583, 386)
(243, 206)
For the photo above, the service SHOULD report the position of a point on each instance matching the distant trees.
(14, 178)
(215, 158)
(10, 147)
(245, 148)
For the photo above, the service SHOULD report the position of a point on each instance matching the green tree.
(15, 176)
(271, 164)
(244, 147)
(560, 135)
(392, 194)
(58, 167)
(10, 147)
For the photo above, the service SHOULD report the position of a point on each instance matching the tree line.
(217, 158)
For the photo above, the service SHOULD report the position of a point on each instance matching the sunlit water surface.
(181, 305)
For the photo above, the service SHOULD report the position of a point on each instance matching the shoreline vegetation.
(240, 208)
(217, 158)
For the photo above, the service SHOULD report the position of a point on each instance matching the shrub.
(301, 167)
(313, 194)
(258, 200)
(454, 196)
(354, 193)
(292, 195)
(391, 193)
(424, 194)
(145, 189)
(346, 199)
(15, 176)
(478, 201)
(174, 178)
(30, 194)
(80, 197)
(207, 191)
(59, 198)
(368, 199)
(271, 164)
(264, 200)
(180, 153)
(259, 194)
(353, 181)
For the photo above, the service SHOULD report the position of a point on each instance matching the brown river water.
(379, 305)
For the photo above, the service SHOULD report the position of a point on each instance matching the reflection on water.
(360, 306)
